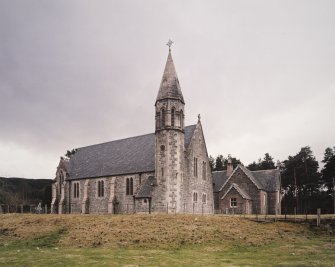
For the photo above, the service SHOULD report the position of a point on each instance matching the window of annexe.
(172, 116)
(233, 202)
(163, 118)
(101, 188)
(129, 186)
(76, 190)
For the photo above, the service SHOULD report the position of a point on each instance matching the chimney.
(230, 167)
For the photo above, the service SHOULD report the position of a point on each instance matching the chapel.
(166, 171)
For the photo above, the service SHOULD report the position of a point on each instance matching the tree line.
(304, 187)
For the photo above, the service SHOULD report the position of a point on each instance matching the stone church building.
(166, 171)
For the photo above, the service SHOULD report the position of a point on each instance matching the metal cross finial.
(169, 44)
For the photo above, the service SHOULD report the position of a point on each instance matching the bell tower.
(169, 133)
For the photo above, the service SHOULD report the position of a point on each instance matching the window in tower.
(158, 119)
(181, 119)
(163, 118)
(172, 117)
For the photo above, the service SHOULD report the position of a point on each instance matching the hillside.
(159, 240)
(17, 191)
(148, 230)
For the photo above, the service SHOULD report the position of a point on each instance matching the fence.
(5, 208)
(312, 219)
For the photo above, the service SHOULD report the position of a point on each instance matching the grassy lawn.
(159, 240)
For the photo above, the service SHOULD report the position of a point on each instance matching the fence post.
(318, 218)
(193, 208)
(202, 209)
(21, 208)
(295, 213)
(46, 209)
(167, 208)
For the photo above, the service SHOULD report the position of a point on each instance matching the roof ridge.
(264, 170)
(121, 139)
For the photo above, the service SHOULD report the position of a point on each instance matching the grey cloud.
(74, 73)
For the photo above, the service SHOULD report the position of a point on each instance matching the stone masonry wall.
(125, 203)
(197, 184)
(243, 181)
(241, 207)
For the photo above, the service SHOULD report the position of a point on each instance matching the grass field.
(160, 240)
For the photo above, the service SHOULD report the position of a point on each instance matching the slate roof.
(125, 156)
(268, 180)
(170, 87)
(219, 178)
(239, 190)
(146, 188)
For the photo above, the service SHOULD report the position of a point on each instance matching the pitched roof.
(219, 178)
(169, 87)
(239, 190)
(268, 180)
(125, 156)
(146, 188)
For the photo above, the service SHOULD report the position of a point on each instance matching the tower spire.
(169, 44)
(169, 87)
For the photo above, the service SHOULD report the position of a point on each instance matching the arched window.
(129, 186)
(61, 177)
(158, 120)
(204, 198)
(76, 190)
(204, 169)
(195, 197)
(163, 118)
(172, 116)
(131, 191)
(101, 188)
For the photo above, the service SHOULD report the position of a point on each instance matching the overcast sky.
(76, 73)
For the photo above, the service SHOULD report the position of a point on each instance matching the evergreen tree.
(253, 166)
(328, 171)
(219, 163)
(235, 162)
(301, 180)
(266, 163)
(212, 163)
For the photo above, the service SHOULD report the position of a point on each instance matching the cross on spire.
(169, 44)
